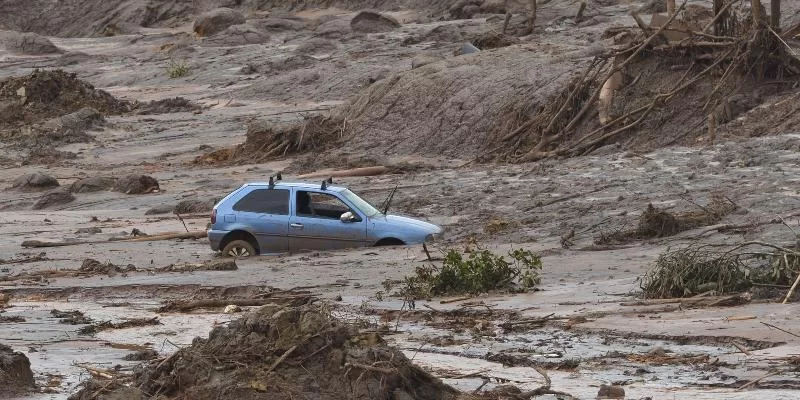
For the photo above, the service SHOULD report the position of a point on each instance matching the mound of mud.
(453, 107)
(55, 198)
(287, 353)
(94, 184)
(267, 140)
(216, 21)
(368, 21)
(237, 35)
(167, 106)
(44, 95)
(27, 43)
(193, 206)
(35, 181)
(16, 376)
(136, 184)
(70, 128)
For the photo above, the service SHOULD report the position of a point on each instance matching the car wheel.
(239, 249)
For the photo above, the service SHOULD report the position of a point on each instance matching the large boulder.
(16, 376)
(35, 181)
(372, 22)
(215, 21)
(136, 184)
(27, 43)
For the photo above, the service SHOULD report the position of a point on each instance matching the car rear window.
(265, 201)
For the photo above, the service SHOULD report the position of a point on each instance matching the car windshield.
(360, 203)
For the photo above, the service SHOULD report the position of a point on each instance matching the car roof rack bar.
(271, 183)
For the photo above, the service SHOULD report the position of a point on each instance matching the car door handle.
(296, 225)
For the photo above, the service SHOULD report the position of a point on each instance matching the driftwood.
(152, 238)
(708, 301)
(190, 305)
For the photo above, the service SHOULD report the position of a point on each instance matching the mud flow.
(616, 183)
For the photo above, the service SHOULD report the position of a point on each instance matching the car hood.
(398, 220)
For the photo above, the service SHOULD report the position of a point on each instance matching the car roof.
(297, 185)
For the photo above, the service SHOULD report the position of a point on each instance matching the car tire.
(239, 249)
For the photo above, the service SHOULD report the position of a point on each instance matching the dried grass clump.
(699, 269)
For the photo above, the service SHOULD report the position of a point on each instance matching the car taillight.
(213, 216)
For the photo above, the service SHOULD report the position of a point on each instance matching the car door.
(315, 224)
(264, 212)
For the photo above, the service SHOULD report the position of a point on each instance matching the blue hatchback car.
(262, 218)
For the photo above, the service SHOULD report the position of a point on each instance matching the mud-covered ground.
(311, 62)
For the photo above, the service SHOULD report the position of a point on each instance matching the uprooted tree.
(743, 50)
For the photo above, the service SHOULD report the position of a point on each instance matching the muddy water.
(57, 351)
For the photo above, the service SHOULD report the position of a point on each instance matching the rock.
(238, 35)
(279, 24)
(193, 206)
(27, 43)
(90, 231)
(467, 48)
(55, 198)
(232, 308)
(94, 184)
(372, 22)
(493, 7)
(215, 21)
(424, 59)
(35, 181)
(611, 392)
(136, 184)
(334, 29)
(15, 372)
(464, 8)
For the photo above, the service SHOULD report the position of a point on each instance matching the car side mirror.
(347, 217)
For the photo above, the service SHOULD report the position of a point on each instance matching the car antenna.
(388, 201)
(279, 176)
(324, 185)
(271, 183)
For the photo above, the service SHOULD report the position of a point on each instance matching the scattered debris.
(289, 352)
(11, 318)
(211, 265)
(93, 328)
(142, 355)
(96, 267)
(73, 317)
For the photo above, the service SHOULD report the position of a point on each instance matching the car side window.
(321, 205)
(265, 201)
